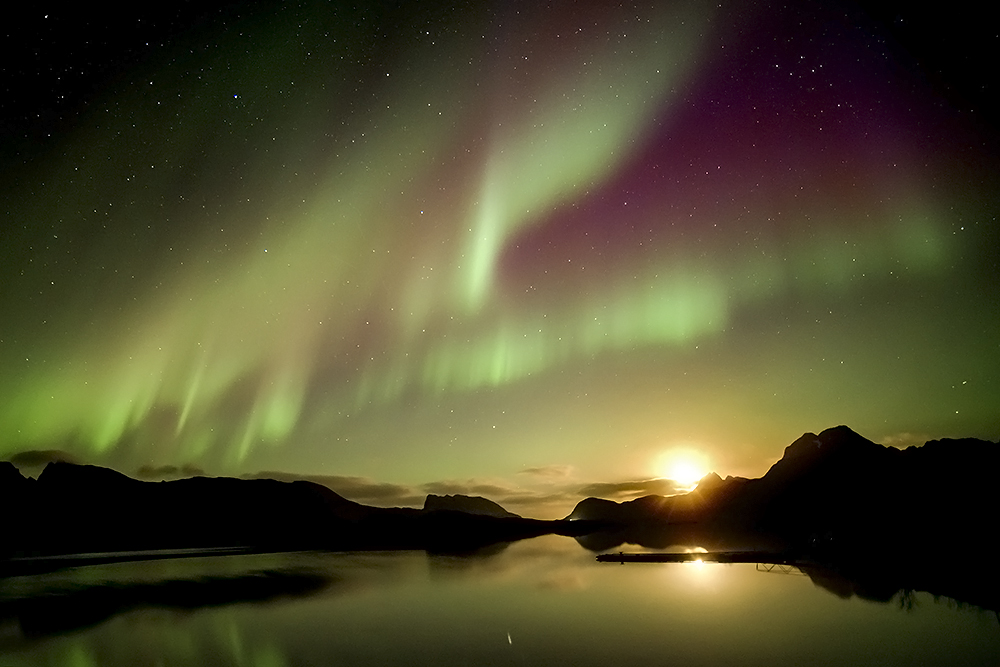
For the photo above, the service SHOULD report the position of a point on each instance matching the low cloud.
(166, 472)
(904, 440)
(542, 505)
(545, 492)
(490, 490)
(632, 489)
(549, 472)
(548, 503)
(554, 499)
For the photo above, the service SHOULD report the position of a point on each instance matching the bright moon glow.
(684, 466)
(686, 473)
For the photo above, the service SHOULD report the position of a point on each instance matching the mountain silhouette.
(468, 504)
(75, 510)
(853, 515)
(830, 488)
(834, 500)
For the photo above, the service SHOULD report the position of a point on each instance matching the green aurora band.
(281, 254)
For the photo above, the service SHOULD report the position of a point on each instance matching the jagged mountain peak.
(710, 481)
(836, 438)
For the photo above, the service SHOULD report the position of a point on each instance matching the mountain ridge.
(857, 517)
(468, 504)
(827, 489)
(84, 509)
(827, 492)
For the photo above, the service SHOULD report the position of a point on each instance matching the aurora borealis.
(494, 247)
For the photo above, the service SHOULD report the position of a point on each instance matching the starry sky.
(516, 249)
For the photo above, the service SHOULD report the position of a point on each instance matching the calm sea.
(538, 602)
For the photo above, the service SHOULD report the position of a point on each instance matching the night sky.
(524, 250)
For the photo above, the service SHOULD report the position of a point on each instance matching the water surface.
(538, 602)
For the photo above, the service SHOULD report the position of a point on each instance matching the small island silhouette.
(859, 518)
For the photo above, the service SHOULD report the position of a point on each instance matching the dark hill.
(80, 509)
(857, 517)
(827, 491)
(468, 504)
